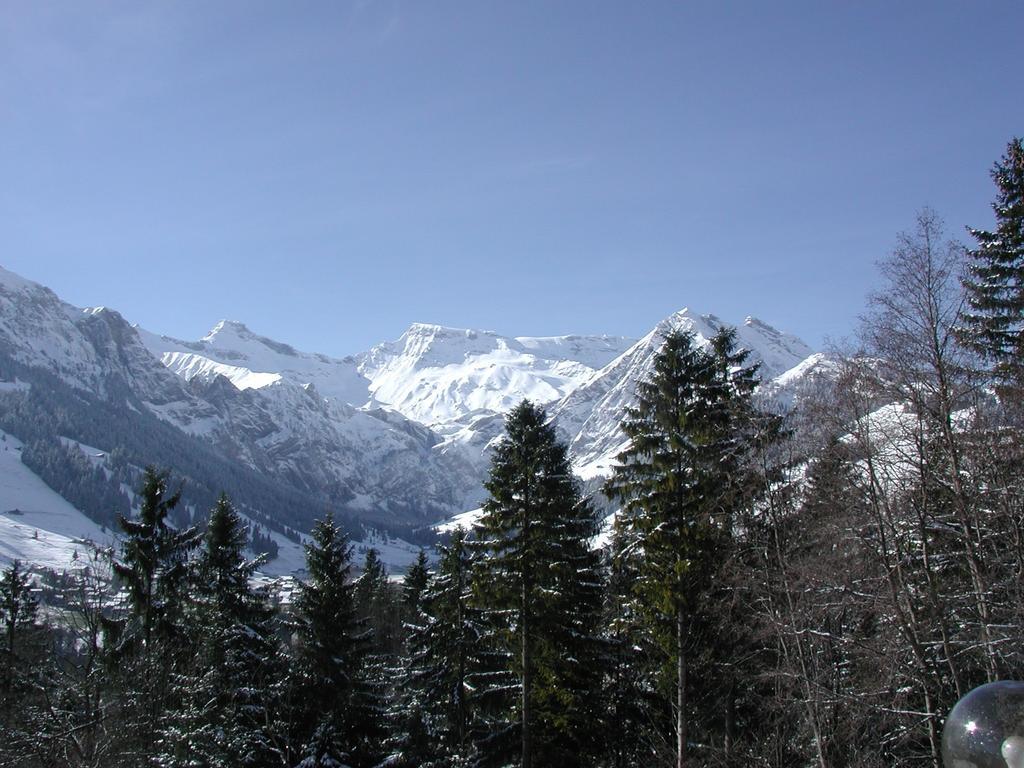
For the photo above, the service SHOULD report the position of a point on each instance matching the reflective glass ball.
(986, 728)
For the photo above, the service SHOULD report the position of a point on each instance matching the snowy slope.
(37, 526)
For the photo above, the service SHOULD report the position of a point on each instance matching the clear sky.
(328, 172)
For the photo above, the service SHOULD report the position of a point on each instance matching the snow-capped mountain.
(398, 436)
(440, 376)
(370, 463)
(306, 417)
(589, 416)
(250, 361)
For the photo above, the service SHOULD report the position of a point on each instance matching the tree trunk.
(461, 696)
(680, 689)
(527, 758)
(730, 719)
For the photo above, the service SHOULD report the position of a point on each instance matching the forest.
(814, 585)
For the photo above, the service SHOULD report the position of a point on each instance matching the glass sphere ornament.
(986, 728)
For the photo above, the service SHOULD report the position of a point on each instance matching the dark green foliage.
(539, 583)
(154, 565)
(681, 482)
(148, 643)
(20, 648)
(334, 717)
(67, 470)
(262, 543)
(634, 707)
(414, 584)
(378, 607)
(24, 667)
(18, 615)
(432, 705)
(228, 695)
(995, 323)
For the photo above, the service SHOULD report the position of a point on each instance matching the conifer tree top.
(994, 324)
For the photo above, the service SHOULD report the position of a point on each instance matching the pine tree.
(539, 582)
(415, 583)
(148, 645)
(18, 612)
(995, 288)
(378, 605)
(227, 709)
(22, 661)
(433, 711)
(333, 719)
(369, 582)
(679, 482)
(630, 681)
(19, 649)
(154, 564)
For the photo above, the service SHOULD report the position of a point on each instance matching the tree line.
(811, 588)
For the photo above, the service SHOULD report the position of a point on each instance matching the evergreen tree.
(679, 482)
(18, 613)
(415, 583)
(227, 713)
(22, 663)
(333, 719)
(149, 644)
(154, 564)
(370, 581)
(433, 709)
(630, 681)
(539, 582)
(995, 288)
(378, 606)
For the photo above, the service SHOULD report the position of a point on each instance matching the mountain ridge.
(398, 435)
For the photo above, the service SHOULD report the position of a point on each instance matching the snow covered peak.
(590, 415)
(235, 336)
(424, 345)
(251, 361)
(228, 327)
(438, 375)
(443, 331)
(775, 350)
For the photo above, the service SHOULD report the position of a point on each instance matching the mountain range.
(392, 440)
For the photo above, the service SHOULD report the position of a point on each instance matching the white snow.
(801, 369)
(462, 520)
(252, 361)
(36, 524)
(440, 376)
(191, 365)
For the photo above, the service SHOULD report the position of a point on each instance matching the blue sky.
(329, 172)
